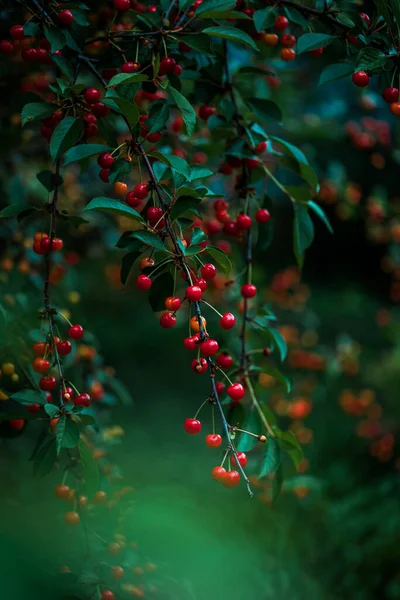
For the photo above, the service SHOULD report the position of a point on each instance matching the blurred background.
(334, 531)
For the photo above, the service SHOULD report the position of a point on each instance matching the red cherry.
(153, 137)
(45, 244)
(104, 173)
(361, 79)
(262, 215)
(6, 48)
(65, 17)
(235, 391)
(33, 408)
(253, 163)
(166, 66)
(100, 110)
(122, 5)
(167, 320)
(27, 55)
(154, 214)
(230, 228)
(213, 440)
(91, 95)
(178, 70)
(224, 360)
(206, 111)
(68, 394)
(220, 205)
(220, 387)
(132, 201)
(209, 347)
(57, 245)
(105, 160)
(248, 290)
(208, 271)
(218, 473)
(193, 293)
(141, 190)
(288, 40)
(41, 365)
(316, 52)
(231, 479)
(260, 148)
(227, 321)
(130, 67)
(281, 23)
(17, 32)
(365, 17)
(47, 383)
(17, 424)
(76, 332)
(192, 426)
(390, 94)
(39, 348)
(192, 342)
(199, 365)
(243, 222)
(202, 284)
(143, 282)
(172, 303)
(91, 130)
(107, 595)
(64, 348)
(91, 120)
(82, 400)
(242, 458)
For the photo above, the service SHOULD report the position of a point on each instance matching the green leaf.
(220, 258)
(90, 469)
(162, 287)
(52, 410)
(114, 206)
(49, 180)
(36, 110)
(199, 173)
(253, 424)
(64, 65)
(396, 10)
(335, 71)
(296, 16)
(126, 78)
(55, 36)
(127, 263)
(319, 211)
(14, 210)
(224, 14)
(265, 109)
(183, 204)
(369, 59)
(382, 9)
(187, 110)
(303, 167)
(30, 396)
(264, 18)
(272, 458)
(179, 165)
(201, 43)
(212, 5)
(84, 151)
(65, 135)
(289, 444)
(278, 376)
(119, 169)
(198, 236)
(150, 239)
(67, 433)
(277, 483)
(279, 343)
(125, 108)
(303, 231)
(313, 41)
(158, 116)
(232, 34)
(45, 458)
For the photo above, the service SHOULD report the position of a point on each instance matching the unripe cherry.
(143, 282)
(271, 39)
(192, 426)
(224, 360)
(227, 321)
(167, 320)
(248, 290)
(242, 458)
(213, 440)
(199, 366)
(208, 271)
(209, 347)
(235, 391)
(262, 215)
(75, 332)
(193, 293)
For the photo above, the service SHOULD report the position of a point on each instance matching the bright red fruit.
(17, 32)
(231, 479)
(132, 201)
(213, 440)
(191, 343)
(122, 5)
(82, 400)
(76, 332)
(167, 65)
(47, 383)
(209, 347)
(68, 394)
(105, 160)
(206, 111)
(17, 424)
(141, 190)
(248, 290)
(243, 222)
(192, 426)
(130, 67)
(65, 17)
(220, 387)
(143, 282)
(208, 271)
(262, 215)
(172, 303)
(281, 23)
(107, 595)
(41, 365)
(235, 391)
(260, 148)
(64, 348)
(365, 17)
(57, 245)
(199, 365)
(193, 293)
(390, 94)
(91, 95)
(7, 48)
(202, 284)
(360, 79)
(104, 173)
(242, 458)
(227, 321)
(288, 40)
(167, 320)
(218, 473)
(224, 360)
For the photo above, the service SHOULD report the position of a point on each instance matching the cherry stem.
(211, 306)
(257, 406)
(200, 407)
